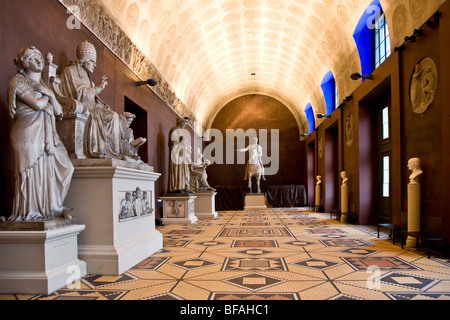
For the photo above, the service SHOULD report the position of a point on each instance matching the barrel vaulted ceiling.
(212, 51)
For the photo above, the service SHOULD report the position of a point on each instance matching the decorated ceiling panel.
(212, 51)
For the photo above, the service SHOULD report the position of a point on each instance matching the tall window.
(310, 117)
(336, 96)
(382, 41)
(330, 92)
(372, 38)
(386, 177)
(385, 122)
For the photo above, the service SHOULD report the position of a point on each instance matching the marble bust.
(414, 164)
(43, 169)
(344, 178)
(319, 180)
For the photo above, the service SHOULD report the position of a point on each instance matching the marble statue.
(255, 166)
(319, 180)
(414, 165)
(199, 177)
(104, 129)
(179, 158)
(43, 169)
(129, 145)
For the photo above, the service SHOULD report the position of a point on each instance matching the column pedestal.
(413, 212)
(205, 205)
(344, 203)
(318, 195)
(179, 208)
(40, 262)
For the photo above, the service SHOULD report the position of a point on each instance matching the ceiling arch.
(213, 51)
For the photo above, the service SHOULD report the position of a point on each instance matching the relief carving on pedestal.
(134, 204)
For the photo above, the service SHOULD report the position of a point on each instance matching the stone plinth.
(255, 201)
(179, 208)
(413, 212)
(205, 205)
(40, 262)
(113, 241)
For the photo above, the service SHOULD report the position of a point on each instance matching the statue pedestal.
(413, 212)
(205, 205)
(318, 196)
(344, 203)
(111, 244)
(179, 208)
(255, 201)
(40, 262)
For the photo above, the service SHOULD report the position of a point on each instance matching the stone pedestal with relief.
(179, 208)
(115, 200)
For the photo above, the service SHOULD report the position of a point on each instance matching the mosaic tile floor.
(275, 254)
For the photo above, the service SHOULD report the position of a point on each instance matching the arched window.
(330, 92)
(372, 38)
(311, 118)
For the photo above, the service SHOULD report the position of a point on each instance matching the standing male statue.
(255, 166)
(179, 158)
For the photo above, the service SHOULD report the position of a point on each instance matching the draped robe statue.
(43, 169)
(103, 129)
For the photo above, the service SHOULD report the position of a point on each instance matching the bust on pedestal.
(344, 197)
(414, 165)
(318, 193)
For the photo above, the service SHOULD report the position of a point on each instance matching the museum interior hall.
(225, 150)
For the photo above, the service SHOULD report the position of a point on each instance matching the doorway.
(139, 126)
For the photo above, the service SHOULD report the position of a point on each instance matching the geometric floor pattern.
(273, 254)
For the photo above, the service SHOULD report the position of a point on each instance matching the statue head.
(255, 140)
(129, 116)
(29, 58)
(87, 56)
(414, 164)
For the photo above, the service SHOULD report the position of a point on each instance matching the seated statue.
(128, 145)
(198, 176)
(104, 129)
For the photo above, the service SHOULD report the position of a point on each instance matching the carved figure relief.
(321, 146)
(349, 130)
(135, 203)
(424, 81)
